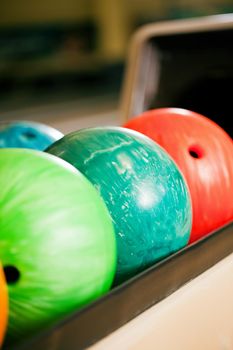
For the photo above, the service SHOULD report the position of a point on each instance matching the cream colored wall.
(28, 11)
(203, 3)
(146, 7)
(112, 21)
(115, 18)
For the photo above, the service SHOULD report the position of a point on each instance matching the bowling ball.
(204, 153)
(23, 134)
(144, 191)
(57, 242)
(3, 305)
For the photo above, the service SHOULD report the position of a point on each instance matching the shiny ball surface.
(143, 189)
(3, 305)
(57, 242)
(23, 134)
(204, 153)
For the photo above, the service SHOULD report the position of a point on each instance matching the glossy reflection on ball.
(3, 305)
(142, 187)
(25, 134)
(57, 242)
(204, 153)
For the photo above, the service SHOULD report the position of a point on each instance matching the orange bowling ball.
(204, 153)
(3, 306)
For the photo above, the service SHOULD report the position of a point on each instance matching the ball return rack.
(167, 62)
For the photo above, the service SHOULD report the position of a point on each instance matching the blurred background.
(62, 62)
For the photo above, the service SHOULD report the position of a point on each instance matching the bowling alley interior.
(116, 175)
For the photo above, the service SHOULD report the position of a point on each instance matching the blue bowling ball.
(24, 134)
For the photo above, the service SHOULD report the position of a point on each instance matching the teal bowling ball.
(25, 134)
(143, 189)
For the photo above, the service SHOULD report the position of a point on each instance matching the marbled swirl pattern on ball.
(142, 187)
(57, 232)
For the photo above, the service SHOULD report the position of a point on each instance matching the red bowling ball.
(204, 153)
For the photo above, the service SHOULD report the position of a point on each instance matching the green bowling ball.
(57, 242)
(143, 189)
